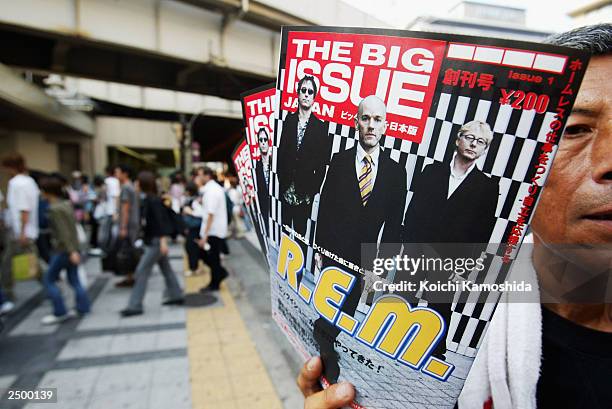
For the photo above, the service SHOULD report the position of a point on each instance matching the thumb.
(334, 397)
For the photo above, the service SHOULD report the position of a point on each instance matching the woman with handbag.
(157, 229)
(64, 254)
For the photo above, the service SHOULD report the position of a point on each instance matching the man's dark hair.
(14, 161)
(109, 169)
(125, 169)
(98, 180)
(191, 188)
(146, 181)
(262, 130)
(596, 39)
(52, 185)
(209, 172)
(308, 78)
(177, 177)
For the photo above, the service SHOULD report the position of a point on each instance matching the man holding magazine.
(547, 355)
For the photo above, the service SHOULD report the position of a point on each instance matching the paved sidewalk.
(225, 355)
(102, 360)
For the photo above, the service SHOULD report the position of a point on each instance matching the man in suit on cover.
(364, 192)
(303, 153)
(262, 176)
(453, 202)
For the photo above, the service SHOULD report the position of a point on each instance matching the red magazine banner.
(400, 71)
(242, 163)
(258, 114)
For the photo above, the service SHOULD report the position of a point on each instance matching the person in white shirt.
(110, 212)
(113, 190)
(214, 227)
(5, 306)
(22, 217)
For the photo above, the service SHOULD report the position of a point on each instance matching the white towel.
(507, 367)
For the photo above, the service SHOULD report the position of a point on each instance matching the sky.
(547, 15)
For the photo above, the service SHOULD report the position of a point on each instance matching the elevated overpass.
(147, 65)
(210, 47)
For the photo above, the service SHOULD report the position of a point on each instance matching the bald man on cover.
(364, 190)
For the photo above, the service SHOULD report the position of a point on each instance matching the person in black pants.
(158, 226)
(193, 221)
(214, 227)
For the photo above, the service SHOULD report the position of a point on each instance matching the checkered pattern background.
(510, 160)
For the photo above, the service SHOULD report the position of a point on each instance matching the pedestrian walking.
(214, 227)
(98, 212)
(107, 234)
(22, 219)
(129, 220)
(157, 230)
(192, 218)
(177, 191)
(5, 305)
(64, 254)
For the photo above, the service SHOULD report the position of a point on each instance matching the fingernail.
(343, 390)
(311, 363)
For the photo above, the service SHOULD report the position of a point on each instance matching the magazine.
(401, 158)
(258, 116)
(245, 171)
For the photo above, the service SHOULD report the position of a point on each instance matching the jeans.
(57, 263)
(153, 255)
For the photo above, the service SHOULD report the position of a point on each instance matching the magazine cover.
(244, 169)
(401, 159)
(258, 114)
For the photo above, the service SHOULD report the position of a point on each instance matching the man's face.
(576, 205)
(306, 95)
(471, 145)
(370, 122)
(264, 143)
